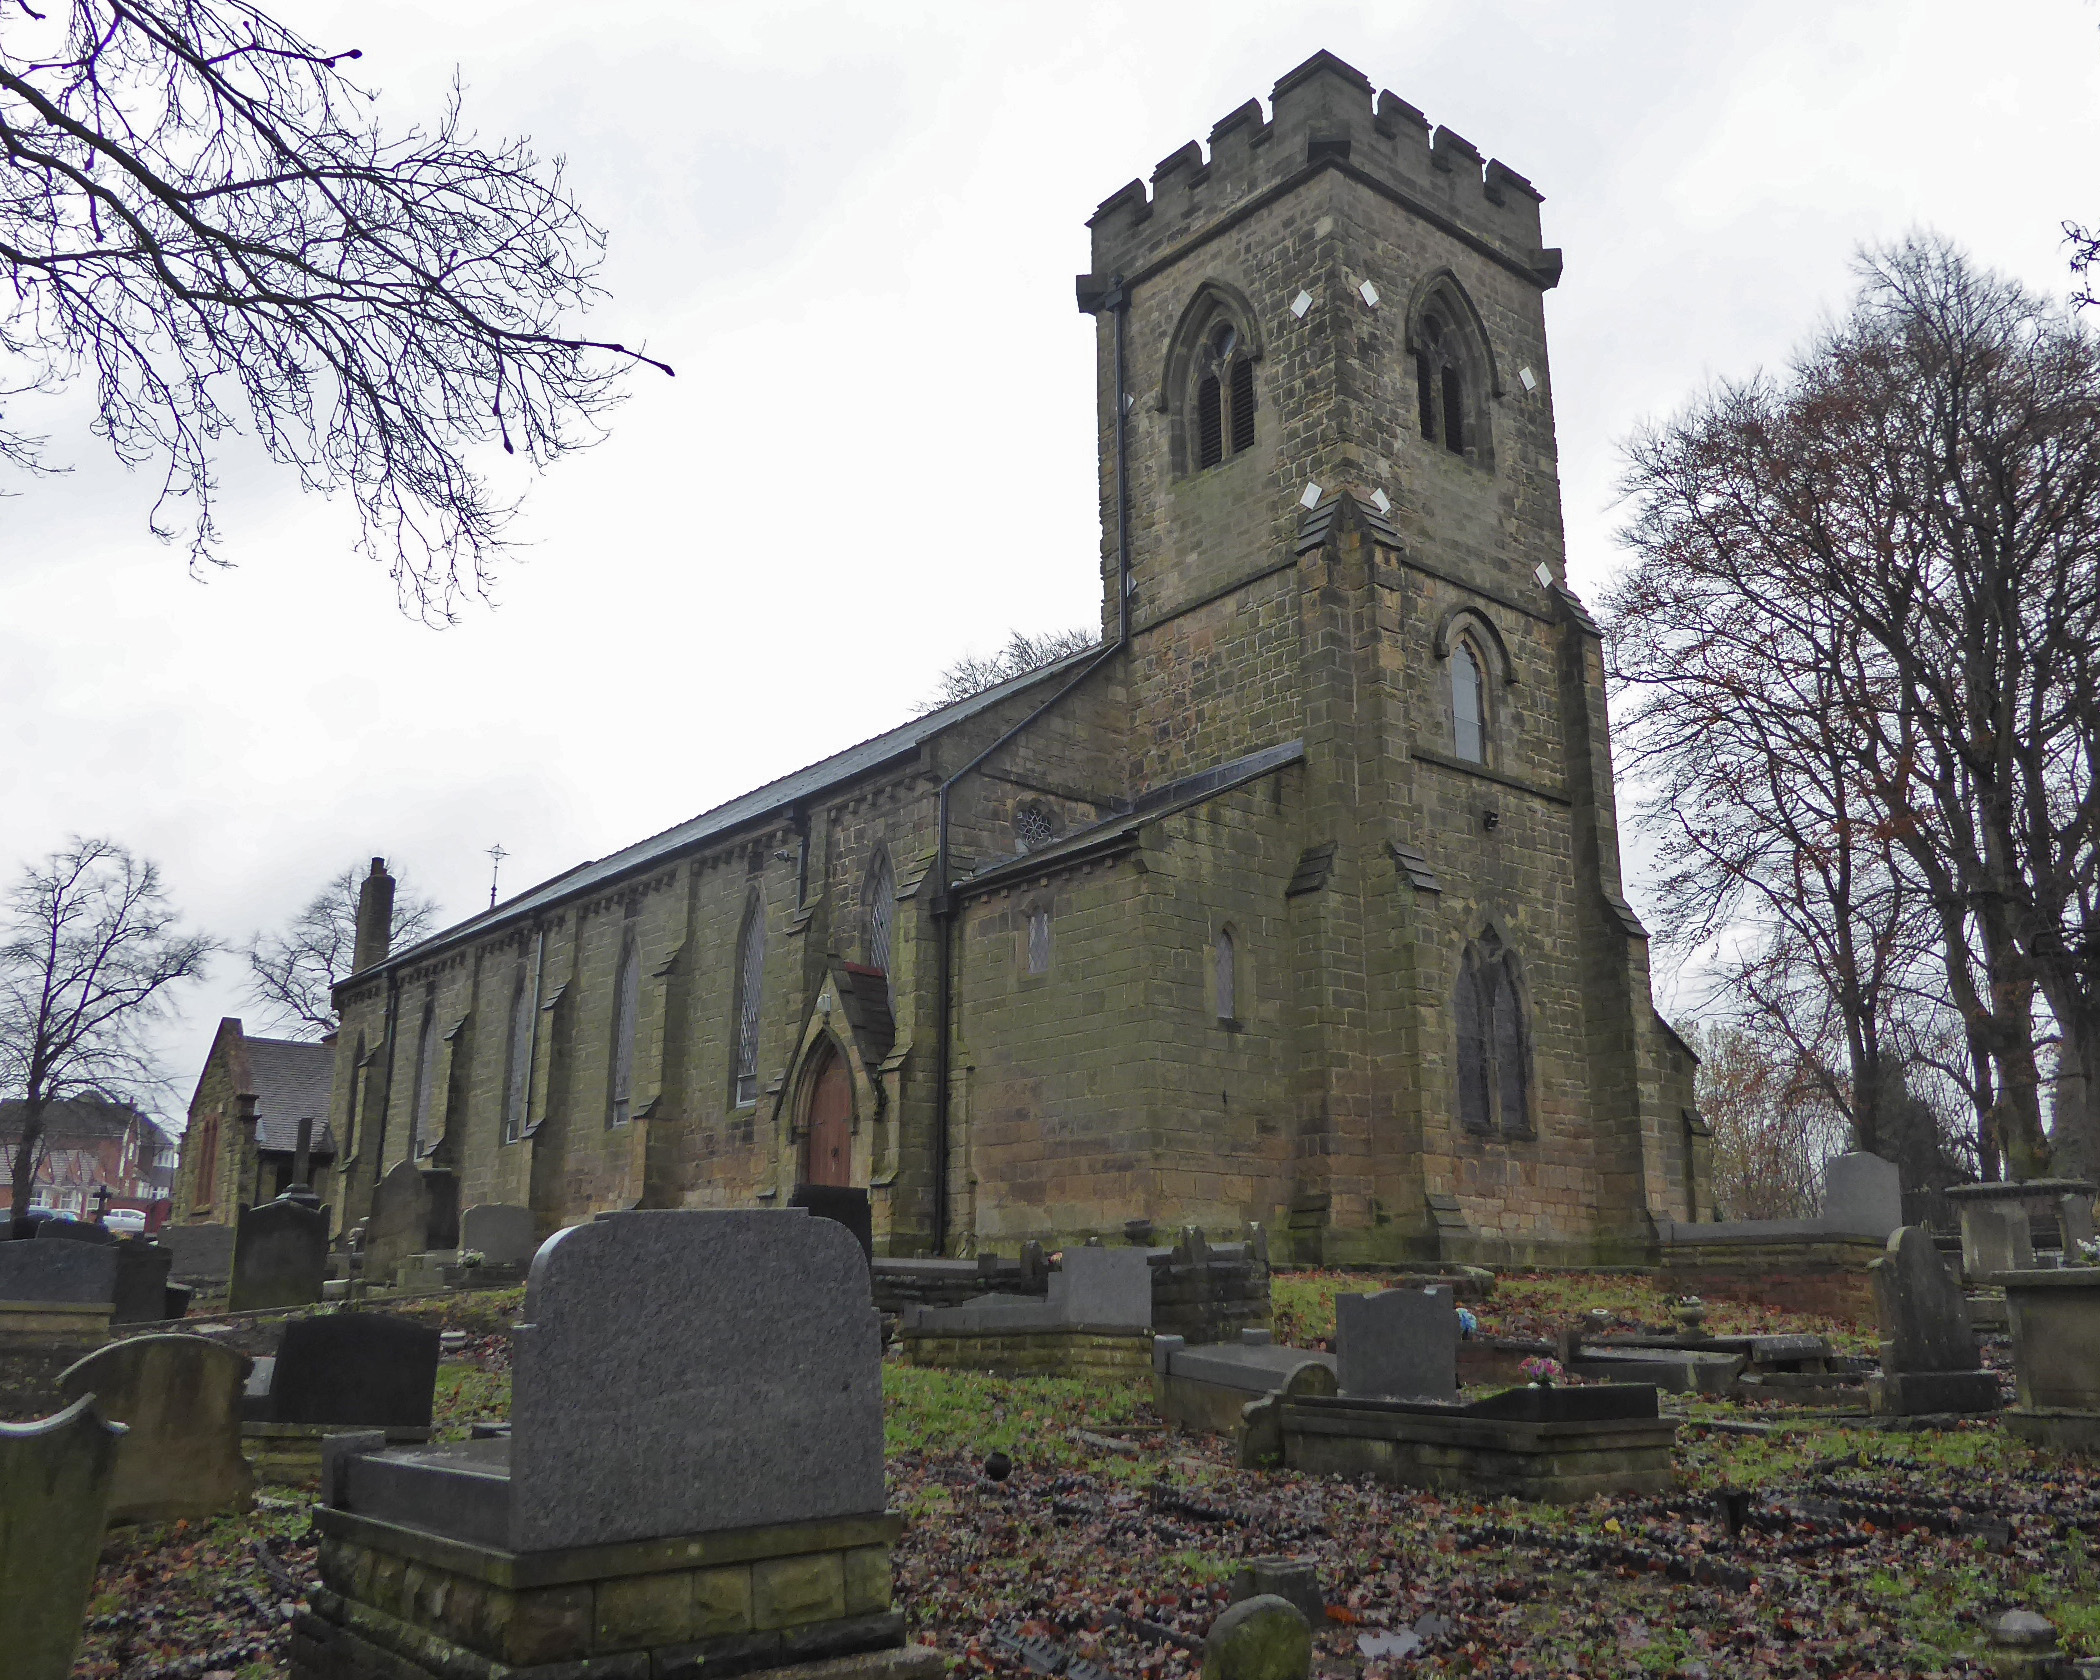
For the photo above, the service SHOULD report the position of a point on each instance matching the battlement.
(1323, 112)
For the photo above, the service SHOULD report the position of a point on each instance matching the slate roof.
(76, 1121)
(691, 835)
(291, 1081)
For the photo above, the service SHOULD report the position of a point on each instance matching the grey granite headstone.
(142, 1282)
(679, 1372)
(361, 1368)
(201, 1253)
(55, 1481)
(845, 1203)
(1110, 1287)
(502, 1233)
(77, 1274)
(1862, 1193)
(1929, 1361)
(414, 1210)
(180, 1398)
(280, 1257)
(1400, 1344)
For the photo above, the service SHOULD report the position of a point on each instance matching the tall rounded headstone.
(180, 1399)
(280, 1257)
(55, 1482)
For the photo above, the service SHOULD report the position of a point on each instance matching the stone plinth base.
(289, 1454)
(1077, 1352)
(1915, 1393)
(1557, 1455)
(2055, 1427)
(796, 1600)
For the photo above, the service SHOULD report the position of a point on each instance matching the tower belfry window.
(1440, 385)
(1223, 397)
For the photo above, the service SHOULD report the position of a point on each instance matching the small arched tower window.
(1454, 370)
(1468, 704)
(1494, 1081)
(627, 1008)
(1228, 979)
(750, 969)
(878, 903)
(1222, 405)
(517, 1069)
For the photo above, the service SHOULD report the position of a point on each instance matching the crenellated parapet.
(1323, 115)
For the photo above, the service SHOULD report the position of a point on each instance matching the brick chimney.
(375, 918)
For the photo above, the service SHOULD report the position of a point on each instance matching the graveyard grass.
(1079, 1530)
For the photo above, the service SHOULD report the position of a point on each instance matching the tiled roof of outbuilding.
(292, 1082)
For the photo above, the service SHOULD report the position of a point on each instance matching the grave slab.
(2055, 1319)
(199, 1254)
(58, 1273)
(180, 1399)
(353, 1368)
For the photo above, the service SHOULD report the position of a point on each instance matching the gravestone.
(849, 1207)
(354, 1368)
(1295, 1580)
(2074, 1216)
(1400, 1344)
(1103, 1286)
(501, 1233)
(180, 1399)
(280, 1257)
(76, 1230)
(55, 1480)
(83, 1274)
(1929, 1361)
(1862, 1193)
(743, 1388)
(414, 1210)
(1259, 1638)
(142, 1282)
(199, 1253)
(1995, 1238)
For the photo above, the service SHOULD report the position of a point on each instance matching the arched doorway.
(828, 1146)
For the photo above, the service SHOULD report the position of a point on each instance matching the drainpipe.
(1093, 298)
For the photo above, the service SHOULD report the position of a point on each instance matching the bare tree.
(1772, 1121)
(292, 973)
(89, 959)
(1907, 525)
(1023, 653)
(195, 211)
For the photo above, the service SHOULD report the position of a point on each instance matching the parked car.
(126, 1222)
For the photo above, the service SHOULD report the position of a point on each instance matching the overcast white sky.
(853, 229)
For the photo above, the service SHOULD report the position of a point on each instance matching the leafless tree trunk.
(88, 962)
(1912, 519)
(195, 210)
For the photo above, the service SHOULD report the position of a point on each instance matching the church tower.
(1331, 514)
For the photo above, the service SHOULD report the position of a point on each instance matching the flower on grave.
(1541, 1371)
(1467, 1323)
(473, 1257)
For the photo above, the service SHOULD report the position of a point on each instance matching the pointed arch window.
(1468, 704)
(1222, 403)
(1445, 390)
(1226, 968)
(1494, 1078)
(517, 1068)
(878, 903)
(750, 971)
(627, 1009)
(426, 1073)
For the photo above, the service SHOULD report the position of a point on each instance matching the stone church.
(1297, 900)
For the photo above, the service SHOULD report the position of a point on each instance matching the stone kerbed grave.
(1209, 1386)
(1555, 1445)
(692, 1482)
(2055, 1318)
(56, 1300)
(901, 1284)
(348, 1371)
(1209, 1292)
(1096, 1317)
(55, 1482)
(1929, 1359)
(179, 1398)
(1998, 1223)
(280, 1256)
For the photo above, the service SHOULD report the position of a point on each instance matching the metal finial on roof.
(495, 854)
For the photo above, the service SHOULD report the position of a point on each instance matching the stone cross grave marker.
(500, 1232)
(1929, 1361)
(75, 1274)
(415, 1210)
(1863, 1193)
(743, 1388)
(180, 1399)
(280, 1257)
(360, 1368)
(1400, 1344)
(55, 1480)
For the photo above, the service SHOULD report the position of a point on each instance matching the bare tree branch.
(195, 213)
(1022, 653)
(293, 972)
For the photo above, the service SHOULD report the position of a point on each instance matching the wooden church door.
(830, 1142)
